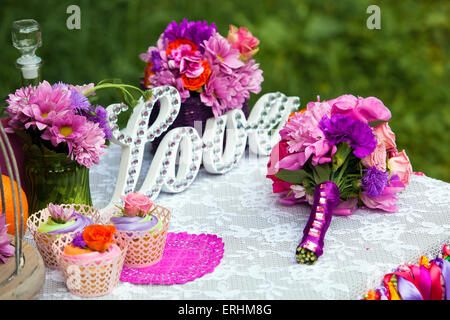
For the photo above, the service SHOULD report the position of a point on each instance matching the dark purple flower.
(156, 60)
(356, 133)
(195, 31)
(98, 114)
(78, 241)
(374, 182)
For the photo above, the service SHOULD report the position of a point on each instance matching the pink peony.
(364, 109)
(387, 201)
(215, 91)
(400, 165)
(250, 77)
(306, 139)
(244, 41)
(136, 204)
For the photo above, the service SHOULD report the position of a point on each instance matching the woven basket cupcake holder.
(159, 257)
(45, 242)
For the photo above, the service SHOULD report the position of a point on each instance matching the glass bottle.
(26, 37)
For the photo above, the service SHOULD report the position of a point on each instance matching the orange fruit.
(9, 205)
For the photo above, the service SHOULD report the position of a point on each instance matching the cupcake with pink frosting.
(93, 261)
(144, 231)
(136, 215)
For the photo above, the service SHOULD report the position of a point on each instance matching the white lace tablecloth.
(261, 236)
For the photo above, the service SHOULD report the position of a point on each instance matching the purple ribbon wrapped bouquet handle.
(326, 198)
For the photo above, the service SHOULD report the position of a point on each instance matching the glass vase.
(54, 178)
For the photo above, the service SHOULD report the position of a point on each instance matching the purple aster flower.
(78, 241)
(356, 133)
(79, 100)
(6, 249)
(195, 31)
(374, 182)
(98, 114)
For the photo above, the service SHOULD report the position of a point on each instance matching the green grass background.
(307, 48)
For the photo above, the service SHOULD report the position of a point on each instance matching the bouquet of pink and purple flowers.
(337, 155)
(194, 58)
(60, 118)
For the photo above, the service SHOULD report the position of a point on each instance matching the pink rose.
(244, 41)
(136, 204)
(385, 135)
(400, 165)
(377, 158)
(385, 145)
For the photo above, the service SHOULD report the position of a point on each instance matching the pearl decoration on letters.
(184, 147)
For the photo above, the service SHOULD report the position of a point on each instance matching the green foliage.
(307, 48)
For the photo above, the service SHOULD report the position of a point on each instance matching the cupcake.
(57, 221)
(92, 262)
(63, 220)
(143, 226)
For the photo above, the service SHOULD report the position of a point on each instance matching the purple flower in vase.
(195, 31)
(374, 182)
(356, 133)
(98, 114)
(156, 60)
(79, 100)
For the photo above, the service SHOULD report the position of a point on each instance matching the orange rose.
(148, 73)
(196, 83)
(98, 237)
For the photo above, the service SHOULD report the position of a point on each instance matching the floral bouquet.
(337, 155)
(213, 74)
(63, 133)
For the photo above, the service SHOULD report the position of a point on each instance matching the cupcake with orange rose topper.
(143, 225)
(92, 261)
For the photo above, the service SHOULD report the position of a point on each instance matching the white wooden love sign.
(181, 152)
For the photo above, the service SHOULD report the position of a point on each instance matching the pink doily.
(186, 257)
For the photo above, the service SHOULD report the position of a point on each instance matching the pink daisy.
(47, 104)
